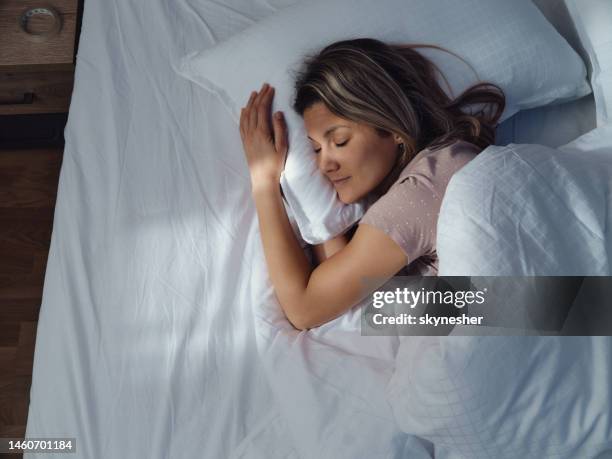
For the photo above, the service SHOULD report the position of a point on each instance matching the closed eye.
(317, 150)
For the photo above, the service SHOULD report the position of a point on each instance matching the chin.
(346, 198)
(351, 194)
(343, 199)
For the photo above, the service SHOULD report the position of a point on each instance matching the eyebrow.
(331, 129)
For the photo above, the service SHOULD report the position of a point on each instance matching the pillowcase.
(593, 19)
(507, 43)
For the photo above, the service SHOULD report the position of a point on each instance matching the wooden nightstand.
(37, 52)
(38, 41)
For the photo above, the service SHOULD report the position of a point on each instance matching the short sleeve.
(408, 214)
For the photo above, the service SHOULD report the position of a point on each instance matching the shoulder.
(437, 166)
(409, 211)
(428, 173)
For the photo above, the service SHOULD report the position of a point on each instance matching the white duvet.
(159, 335)
(531, 210)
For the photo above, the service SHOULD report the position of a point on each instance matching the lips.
(342, 180)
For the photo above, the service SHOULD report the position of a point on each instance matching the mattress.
(158, 336)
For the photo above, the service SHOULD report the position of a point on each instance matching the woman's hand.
(265, 145)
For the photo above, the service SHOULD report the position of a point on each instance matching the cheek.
(370, 165)
(358, 159)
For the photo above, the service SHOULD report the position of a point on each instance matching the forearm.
(288, 265)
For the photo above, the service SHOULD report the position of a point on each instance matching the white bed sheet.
(152, 339)
(146, 342)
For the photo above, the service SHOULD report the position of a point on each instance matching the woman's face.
(353, 156)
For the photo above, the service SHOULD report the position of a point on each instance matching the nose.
(326, 162)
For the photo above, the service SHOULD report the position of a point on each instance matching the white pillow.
(593, 21)
(509, 43)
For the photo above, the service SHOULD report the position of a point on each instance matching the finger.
(257, 102)
(251, 99)
(247, 110)
(280, 133)
(253, 112)
(264, 109)
(249, 104)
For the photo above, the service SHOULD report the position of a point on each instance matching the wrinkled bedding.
(159, 335)
(531, 210)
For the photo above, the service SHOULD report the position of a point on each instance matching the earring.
(402, 148)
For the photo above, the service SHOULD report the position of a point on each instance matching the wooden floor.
(28, 188)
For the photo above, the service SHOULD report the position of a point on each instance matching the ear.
(397, 139)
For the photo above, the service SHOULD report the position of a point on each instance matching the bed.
(157, 337)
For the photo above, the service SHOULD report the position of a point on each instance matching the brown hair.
(394, 89)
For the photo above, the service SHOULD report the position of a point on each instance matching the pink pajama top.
(408, 211)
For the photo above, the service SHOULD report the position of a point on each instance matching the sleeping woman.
(384, 130)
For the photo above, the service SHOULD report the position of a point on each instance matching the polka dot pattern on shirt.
(408, 213)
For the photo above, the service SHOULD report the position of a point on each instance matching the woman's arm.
(369, 259)
(308, 297)
(288, 265)
(327, 249)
